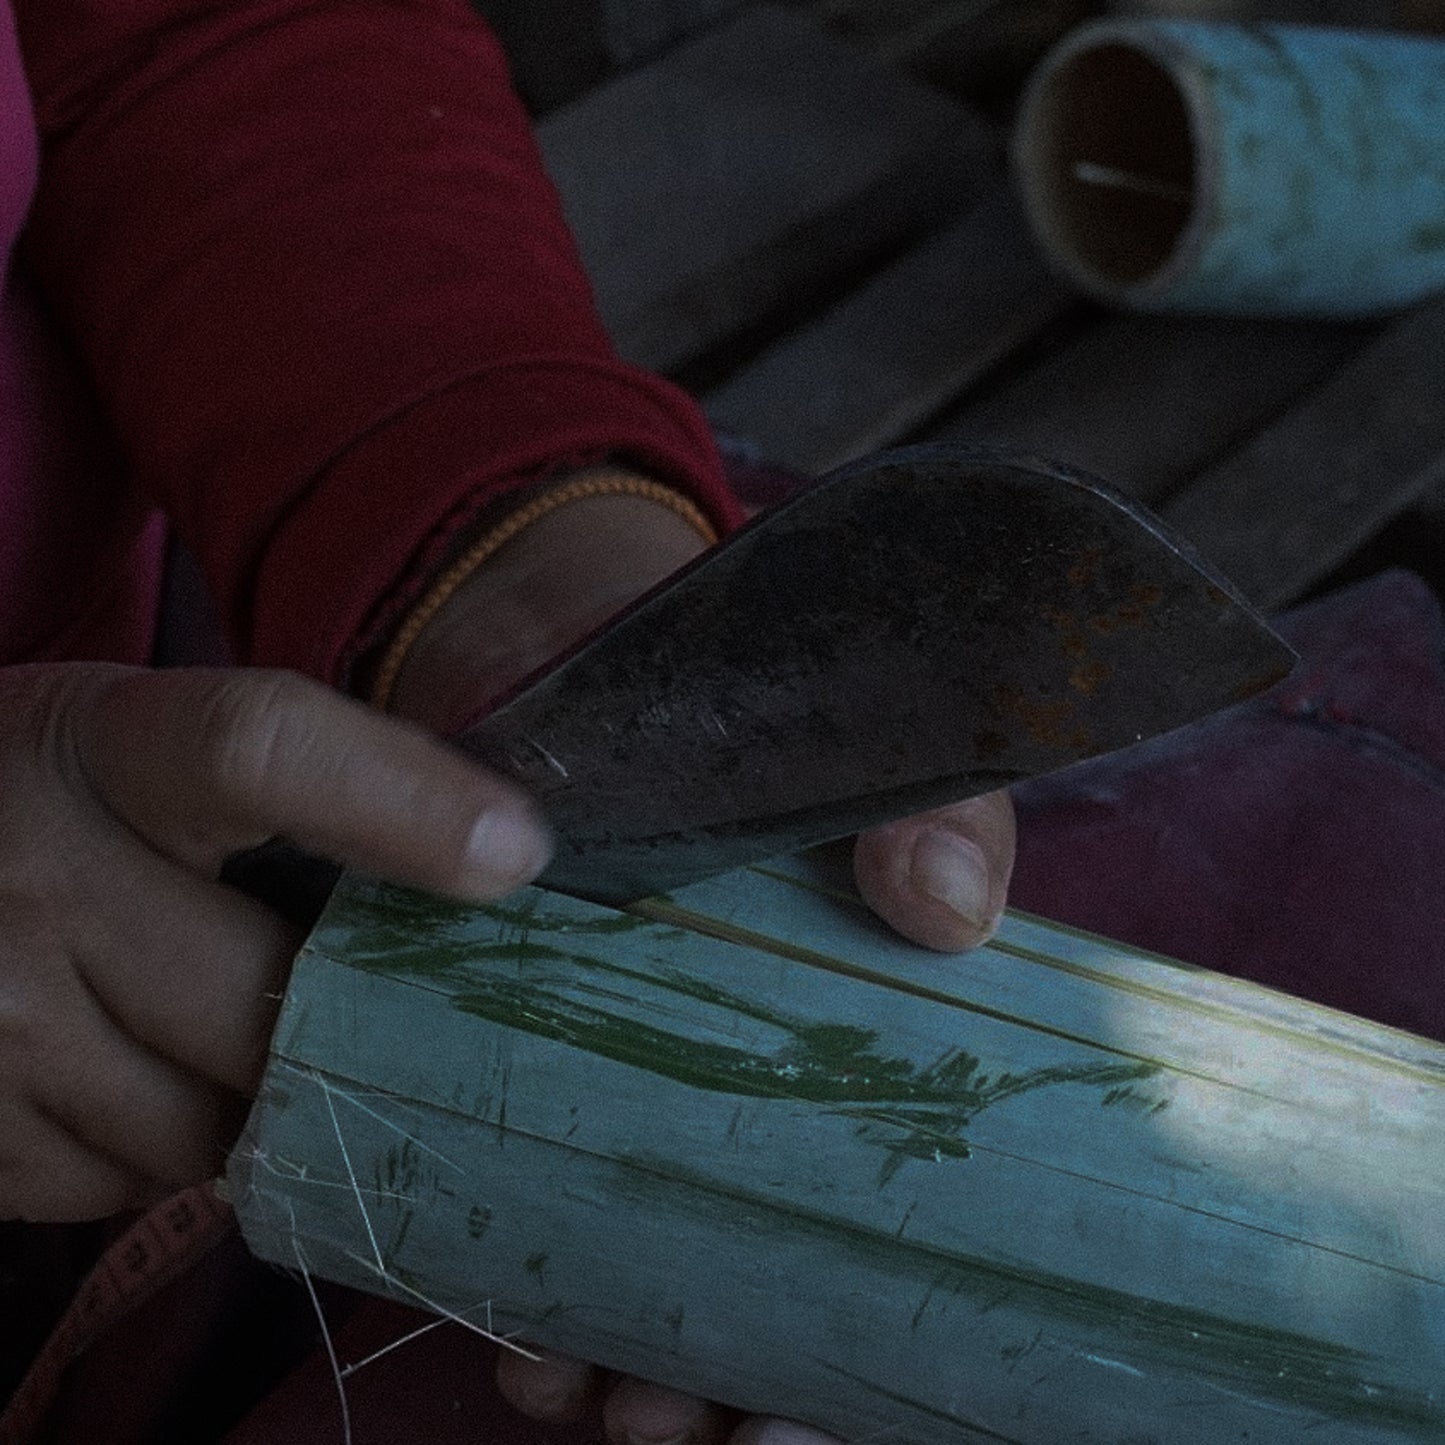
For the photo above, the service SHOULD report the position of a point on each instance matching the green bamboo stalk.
(745, 1141)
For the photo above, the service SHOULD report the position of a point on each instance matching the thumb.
(202, 763)
(940, 878)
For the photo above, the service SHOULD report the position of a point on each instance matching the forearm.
(325, 290)
(555, 581)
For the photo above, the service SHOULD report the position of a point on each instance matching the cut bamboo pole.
(1238, 169)
(746, 1142)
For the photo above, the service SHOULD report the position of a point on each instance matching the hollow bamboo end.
(1109, 160)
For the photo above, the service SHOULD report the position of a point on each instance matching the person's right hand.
(137, 993)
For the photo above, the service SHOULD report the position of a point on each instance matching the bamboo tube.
(1241, 169)
(746, 1142)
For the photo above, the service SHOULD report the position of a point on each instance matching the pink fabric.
(19, 154)
(80, 553)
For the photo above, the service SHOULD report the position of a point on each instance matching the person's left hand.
(940, 878)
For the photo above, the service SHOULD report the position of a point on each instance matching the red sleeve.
(327, 295)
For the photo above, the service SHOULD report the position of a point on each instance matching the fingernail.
(509, 846)
(952, 871)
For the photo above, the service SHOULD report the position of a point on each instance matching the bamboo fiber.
(745, 1141)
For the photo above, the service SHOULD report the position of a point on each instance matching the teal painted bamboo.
(1261, 169)
(745, 1141)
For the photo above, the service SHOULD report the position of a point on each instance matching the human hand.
(137, 993)
(939, 879)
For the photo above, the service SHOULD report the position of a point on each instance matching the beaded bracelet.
(445, 587)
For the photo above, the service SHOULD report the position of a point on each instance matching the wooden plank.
(986, 56)
(746, 1142)
(898, 30)
(559, 49)
(979, 50)
(1298, 499)
(555, 48)
(1146, 402)
(749, 167)
(879, 24)
(896, 350)
(634, 30)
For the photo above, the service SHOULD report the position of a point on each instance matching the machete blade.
(914, 629)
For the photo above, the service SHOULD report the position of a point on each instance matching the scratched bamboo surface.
(745, 1141)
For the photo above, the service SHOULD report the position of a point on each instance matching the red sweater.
(326, 299)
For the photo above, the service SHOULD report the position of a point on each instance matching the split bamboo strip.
(745, 1141)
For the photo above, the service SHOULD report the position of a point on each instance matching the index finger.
(203, 763)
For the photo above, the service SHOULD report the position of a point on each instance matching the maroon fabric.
(1298, 840)
(326, 296)
(438, 1389)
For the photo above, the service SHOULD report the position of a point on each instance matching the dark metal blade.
(911, 630)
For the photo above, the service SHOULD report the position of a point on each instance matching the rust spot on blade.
(1086, 567)
(1089, 672)
(1132, 612)
(1089, 676)
(1260, 682)
(1048, 723)
(988, 743)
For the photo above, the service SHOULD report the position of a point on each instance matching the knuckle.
(249, 726)
(21, 1030)
(43, 706)
(27, 1019)
(46, 1009)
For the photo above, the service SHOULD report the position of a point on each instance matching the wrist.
(559, 577)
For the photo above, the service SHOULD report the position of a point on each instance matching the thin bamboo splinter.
(1096, 175)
